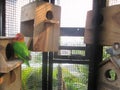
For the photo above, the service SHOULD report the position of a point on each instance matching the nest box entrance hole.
(9, 51)
(49, 15)
(111, 75)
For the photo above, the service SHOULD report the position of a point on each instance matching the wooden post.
(60, 79)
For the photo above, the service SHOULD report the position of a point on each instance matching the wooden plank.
(104, 81)
(27, 18)
(7, 63)
(28, 12)
(110, 27)
(46, 30)
(5, 44)
(11, 80)
(27, 28)
(8, 66)
(88, 28)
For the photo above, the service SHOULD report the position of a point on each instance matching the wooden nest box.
(109, 73)
(109, 26)
(41, 20)
(47, 27)
(10, 69)
(6, 48)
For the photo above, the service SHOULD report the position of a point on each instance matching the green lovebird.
(21, 49)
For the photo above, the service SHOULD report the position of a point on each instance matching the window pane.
(71, 41)
(113, 2)
(73, 13)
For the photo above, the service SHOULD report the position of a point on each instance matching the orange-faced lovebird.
(21, 49)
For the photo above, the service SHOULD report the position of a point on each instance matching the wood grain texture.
(10, 68)
(110, 27)
(27, 19)
(46, 32)
(4, 42)
(11, 80)
(27, 28)
(7, 66)
(28, 12)
(104, 82)
(28, 41)
(88, 28)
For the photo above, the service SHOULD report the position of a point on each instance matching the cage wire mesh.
(31, 77)
(13, 15)
(73, 76)
(75, 41)
(11, 18)
(113, 2)
(70, 77)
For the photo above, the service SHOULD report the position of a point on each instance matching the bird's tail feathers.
(28, 58)
(27, 62)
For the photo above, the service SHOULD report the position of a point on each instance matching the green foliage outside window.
(32, 77)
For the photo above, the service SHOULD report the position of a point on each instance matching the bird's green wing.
(21, 50)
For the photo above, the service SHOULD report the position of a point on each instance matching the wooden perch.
(52, 21)
(7, 66)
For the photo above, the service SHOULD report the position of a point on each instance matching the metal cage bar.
(95, 48)
(2, 17)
